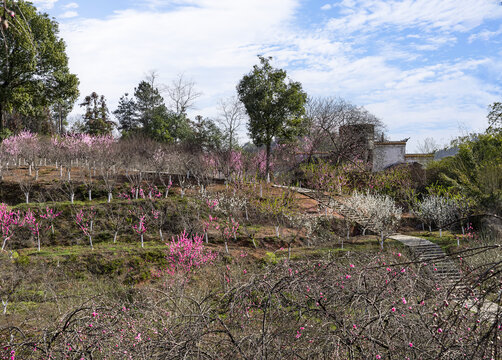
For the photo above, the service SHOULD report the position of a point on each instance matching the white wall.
(386, 154)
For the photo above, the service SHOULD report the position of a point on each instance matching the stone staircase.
(436, 263)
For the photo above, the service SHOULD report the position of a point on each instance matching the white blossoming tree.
(438, 210)
(381, 212)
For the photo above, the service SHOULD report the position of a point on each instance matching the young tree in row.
(85, 221)
(8, 221)
(275, 108)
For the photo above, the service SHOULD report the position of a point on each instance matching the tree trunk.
(109, 197)
(27, 197)
(161, 236)
(207, 240)
(72, 197)
(115, 237)
(142, 242)
(90, 195)
(267, 162)
(38, 242)
(1, 122)
(381, 240)
(90, 242)
(52, 228)
(6, 302)
(226, 246)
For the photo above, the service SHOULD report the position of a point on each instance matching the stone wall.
(388, 153)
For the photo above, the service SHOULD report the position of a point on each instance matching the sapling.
(50, 215)
(159, 218)
(140, 227)
(33, 224)
(84, 220)
(26, 183)
(8, 221)
(182, 181)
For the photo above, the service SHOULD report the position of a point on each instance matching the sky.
(426, 68)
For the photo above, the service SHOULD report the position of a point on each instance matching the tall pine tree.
(97, 118)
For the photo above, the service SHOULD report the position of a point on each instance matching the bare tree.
(427, 146)
(328, 116)
(26, 183)
(232, 114)
(182, 94)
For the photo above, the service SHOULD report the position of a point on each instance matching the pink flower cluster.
(187, 253)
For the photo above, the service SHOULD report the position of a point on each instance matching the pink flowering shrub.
(187, 253)
(9, 220)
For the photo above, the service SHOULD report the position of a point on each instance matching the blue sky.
(427, 68)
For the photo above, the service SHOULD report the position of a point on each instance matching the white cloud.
(44, 4)
(485, 35)
(445, 15)
(326, 7)
(68, 14)
(72, 5)
(215, 43)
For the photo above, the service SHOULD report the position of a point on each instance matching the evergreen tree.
(96, 118)
(206, 135)
(275, 108)
(149, 103)
(127, 115)
(34, 71)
